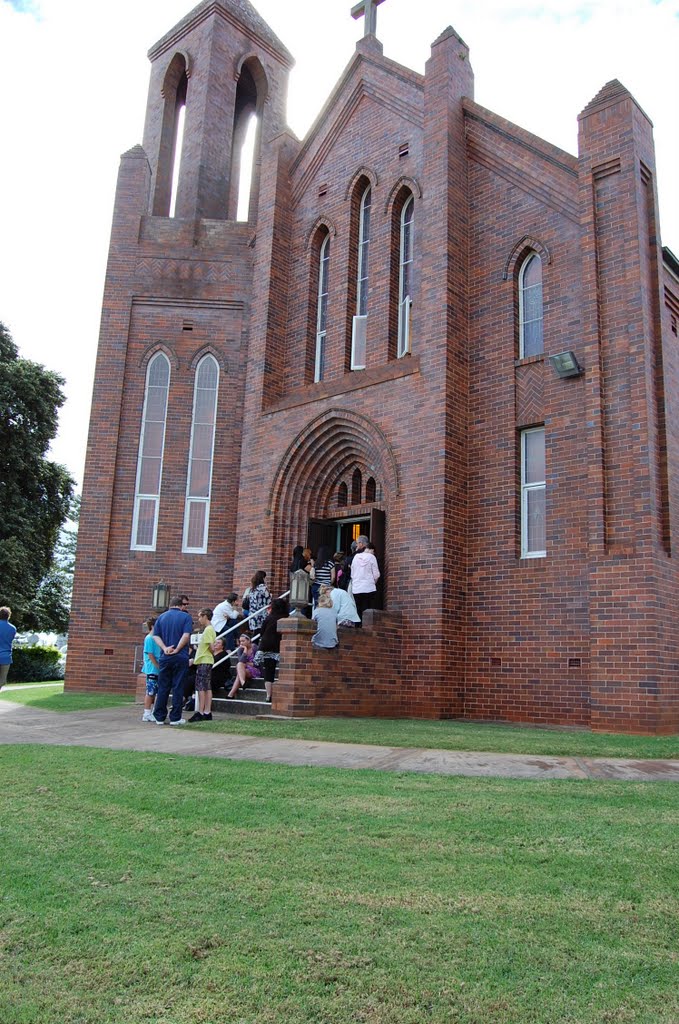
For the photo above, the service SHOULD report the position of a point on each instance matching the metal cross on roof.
(367, 9)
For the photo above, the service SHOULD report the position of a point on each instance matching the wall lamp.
(300, 586)
(161, 597)
(566, 365)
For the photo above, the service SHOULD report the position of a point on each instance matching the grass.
(154, 888)
(501, 739)
(52, 698)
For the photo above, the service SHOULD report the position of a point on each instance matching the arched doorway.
(315, 496)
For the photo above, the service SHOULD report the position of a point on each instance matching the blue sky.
(28, 6)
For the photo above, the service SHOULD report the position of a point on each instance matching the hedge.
(35, 665)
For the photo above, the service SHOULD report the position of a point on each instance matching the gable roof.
(240, 13)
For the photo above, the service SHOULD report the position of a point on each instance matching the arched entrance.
(338, 476)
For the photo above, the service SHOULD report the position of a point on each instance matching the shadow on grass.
(52, 698)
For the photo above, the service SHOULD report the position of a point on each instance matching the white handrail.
(241, 625)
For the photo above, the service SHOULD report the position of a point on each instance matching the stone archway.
(323, 452)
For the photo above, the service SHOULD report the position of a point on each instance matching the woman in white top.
(364, 576)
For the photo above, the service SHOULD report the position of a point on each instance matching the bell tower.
(211, 75)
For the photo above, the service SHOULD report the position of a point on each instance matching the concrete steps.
(250, 701)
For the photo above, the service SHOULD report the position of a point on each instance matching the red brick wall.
(585, 636)
(356, 679)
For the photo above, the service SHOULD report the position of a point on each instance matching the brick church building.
(428, 326)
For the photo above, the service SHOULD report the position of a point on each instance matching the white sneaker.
(148, 717)
(182, 721)
(154, 719)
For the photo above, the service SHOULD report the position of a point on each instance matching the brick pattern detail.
(530, 394)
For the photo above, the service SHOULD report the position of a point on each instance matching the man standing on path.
(7, 634)
(172, 633)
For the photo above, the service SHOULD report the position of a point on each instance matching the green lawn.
(454, 736)
(501, 739)
(52, 698)
(154, 888)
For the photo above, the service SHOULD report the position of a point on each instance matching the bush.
(35, 665)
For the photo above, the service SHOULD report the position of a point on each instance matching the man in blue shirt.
(172, 633)
(7, 634)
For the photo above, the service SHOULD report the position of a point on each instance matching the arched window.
(342, 495)
(405, 277)
(356, 487)
(370, 489)
(150, 456)
(530, 307)
(360, 321)
(199, 477)
(322, 309)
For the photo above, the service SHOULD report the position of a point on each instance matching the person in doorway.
(324, 571)
(204, 660)
(150, 669)
(347, 563)
(172, 634)
(7, 634)
(325, 617)
(364, 576)
(299, 560)
(341, 575)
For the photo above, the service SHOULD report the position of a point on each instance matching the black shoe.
(197, 717)
(207, 718)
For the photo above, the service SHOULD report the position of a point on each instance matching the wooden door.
(321, 532)
(378, 536)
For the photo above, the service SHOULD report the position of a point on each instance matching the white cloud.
(77, 75)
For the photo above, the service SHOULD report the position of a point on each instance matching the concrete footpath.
(121, 729)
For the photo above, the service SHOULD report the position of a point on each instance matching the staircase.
(250, 701)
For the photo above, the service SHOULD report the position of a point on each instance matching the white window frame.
(192, 500)
(359, 336)
(359, 328)
(526, 489)
(322, 309)
(405, 301)
(522, 292)
(140, 497)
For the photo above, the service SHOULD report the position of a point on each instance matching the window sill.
(352, 380)
(528, 360)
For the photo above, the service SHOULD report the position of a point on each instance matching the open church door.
(321, 532)
(378, 536)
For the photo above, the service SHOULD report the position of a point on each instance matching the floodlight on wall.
(565, 364)
(161, 597)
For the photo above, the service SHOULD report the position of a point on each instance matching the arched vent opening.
(356, 487)
(175, 92)
(250, 95)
